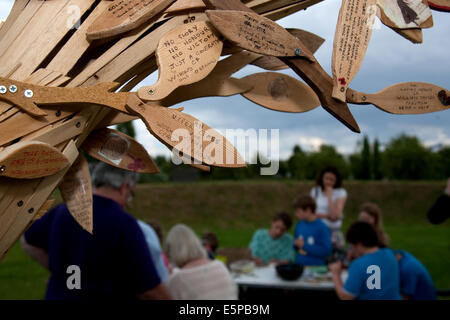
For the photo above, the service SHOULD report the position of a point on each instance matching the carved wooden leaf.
(31, 159)
(185, 55)
(76, 191)
(188, 135)
(280, 92)
(405, 14)
(119, 150)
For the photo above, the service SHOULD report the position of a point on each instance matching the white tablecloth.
(267, 277)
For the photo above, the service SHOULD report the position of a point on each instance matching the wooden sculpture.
(64, 79)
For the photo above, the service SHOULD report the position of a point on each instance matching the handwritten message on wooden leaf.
(31, 159)
(185, 55)
(280, 92)
(405, 14)
(125, 15)
(405, 98)
(119, 150)
(258, 34)
(187, 135)
(353, 32)
(76, 191)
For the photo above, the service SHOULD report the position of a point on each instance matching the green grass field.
(235, 209)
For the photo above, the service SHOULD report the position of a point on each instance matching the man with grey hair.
(112, 263)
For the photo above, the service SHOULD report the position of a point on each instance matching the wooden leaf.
(280, 92)
(405, 14)
(31, 159)
(353, 32)
(27, 96)
(413, 35)
(119, 150)
(76, 191)
(258, 34)
(440, 5)
(125, 15)
(187, 135)
(405, 98)
(227, 5)
(43, 210)
(185, 55)
(186, 5)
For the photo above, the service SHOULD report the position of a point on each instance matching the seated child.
(210, 242)
(374, 274)
(415, 281)
(273, 245)
(312, 236)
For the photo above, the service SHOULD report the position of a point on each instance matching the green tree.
(297, 163)
(326, 156)
(405, 158)
(127, 128)
(377, 170)
(365, 160)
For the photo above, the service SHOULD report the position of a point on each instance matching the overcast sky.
(390, 59)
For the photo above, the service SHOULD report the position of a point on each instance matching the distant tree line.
(402, 158)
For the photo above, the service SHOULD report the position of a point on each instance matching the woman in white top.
(330, 202)
(195, 277)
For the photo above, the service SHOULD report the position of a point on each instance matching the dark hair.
(211, 239)
(333, 170)
(362, 232)
(158, 229)
(304, 202)
(285, 218)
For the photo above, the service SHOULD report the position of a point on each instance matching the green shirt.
(264, 247)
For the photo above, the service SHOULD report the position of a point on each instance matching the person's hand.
(335, 267)
(258, 261)
(299, 242)
(447, 190)
(328, 192)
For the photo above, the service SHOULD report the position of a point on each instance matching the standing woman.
(330, 199)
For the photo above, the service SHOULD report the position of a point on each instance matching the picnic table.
(264, 282)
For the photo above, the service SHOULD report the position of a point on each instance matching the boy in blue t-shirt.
(415, 281)
(312, 236)
(374, 274)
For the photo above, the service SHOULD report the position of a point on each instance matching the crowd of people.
(126, 258)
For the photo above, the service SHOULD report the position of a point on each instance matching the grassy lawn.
(235, 209)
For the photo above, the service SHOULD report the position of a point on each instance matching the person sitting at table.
(195, 277)
(415, 281)
(369, 212)
(374, 274)
(273, 245)
(210, 243)
(312, 236)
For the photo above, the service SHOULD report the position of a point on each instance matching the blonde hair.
(374, 211)
(183, 246)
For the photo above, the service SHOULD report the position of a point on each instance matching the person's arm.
(254, 246)
(336, 270)
(337, 209)
(440, 210)
(36, 253)
(159, 292)
(322, 244)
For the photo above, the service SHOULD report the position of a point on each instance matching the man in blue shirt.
(374, 274)
(112, 263)
(415, 281)
(312, 236)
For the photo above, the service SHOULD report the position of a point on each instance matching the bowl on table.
(290, 271)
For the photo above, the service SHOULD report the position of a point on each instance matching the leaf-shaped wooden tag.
(353, 32)
(413, 35)
(405, 98)
(280, 92)
(125, 15)
(187, 135)
(258, 34)
(119, 150)
(185, 55)
(76, 191)
(31, 159)
(405, 14)
(440, 5)
(186, 5)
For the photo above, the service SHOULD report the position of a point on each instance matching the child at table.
(312, 236)
(273, 245)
